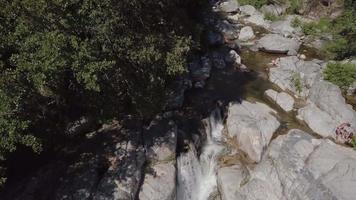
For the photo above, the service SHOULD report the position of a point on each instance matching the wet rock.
(327, 110)
(246, 33)
(273, 9)
(233, 58)
(175, 97)
(228, 31)
(200, 69)
(284, 100)
(228, 6)
(274, 43)
(214, 38)
(247, 10)
(229, 180)
(252, 125)
(297, 166)
(295, 75)
(218, 58)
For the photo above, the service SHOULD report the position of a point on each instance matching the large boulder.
(246, 33)
(247, 10)
(159, 182)
(160, 139)
(297, 166)
(295, 75)
(326, 110)
(275, 43)
(282, 99)
(252, 126)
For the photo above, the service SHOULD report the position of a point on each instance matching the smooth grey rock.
(289, 69)
(285, 28)
(297, 166)
(252, 125)
(246, 33)
(228, 6)
(234, 19)
(257, 18)
(247, 10)
(284, 100)
(274, 43)
(273, 9)
(229, 179)
(327, 109)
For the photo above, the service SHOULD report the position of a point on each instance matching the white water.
(197, 178)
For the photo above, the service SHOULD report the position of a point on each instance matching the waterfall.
(197, 177)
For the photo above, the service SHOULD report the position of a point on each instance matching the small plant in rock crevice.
(297, 81)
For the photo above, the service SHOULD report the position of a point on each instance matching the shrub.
(272, 17)
(296, 79)
(296, 22)
(316, 28)
(341, 74)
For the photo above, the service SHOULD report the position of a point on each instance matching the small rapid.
(197, 177)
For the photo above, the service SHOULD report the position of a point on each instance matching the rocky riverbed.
(254, 120)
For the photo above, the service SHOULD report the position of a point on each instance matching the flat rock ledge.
(296, 166)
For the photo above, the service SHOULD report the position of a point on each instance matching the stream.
(197, 169)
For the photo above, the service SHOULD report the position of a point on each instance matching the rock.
(228, 6)
(214, 38)
(302, 56)
(273, 9)
(295, 75)
(229, 179)
(246, 33)
(274, 43)
(327, 110)
(292, 53)
(285, 28)
(257, 18)
(297, 166)
(228, 31)
(200, 69)
(159, 183)
(233, 58)
(218, 58)
(252, 125)
(247, 10)
(284, 100)
(352, 89)
(81, 126)
(175, 97)
(160, 139)
(234, 19)
(122, 180)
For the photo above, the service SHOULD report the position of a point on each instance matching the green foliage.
(341, 74)
(272, 17)
(343, 44)
(296, 22)
(255, 3)
(353, 142)
(296, 79)
(318, 28)
(63, 59)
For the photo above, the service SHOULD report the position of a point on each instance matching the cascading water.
(197, 177)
